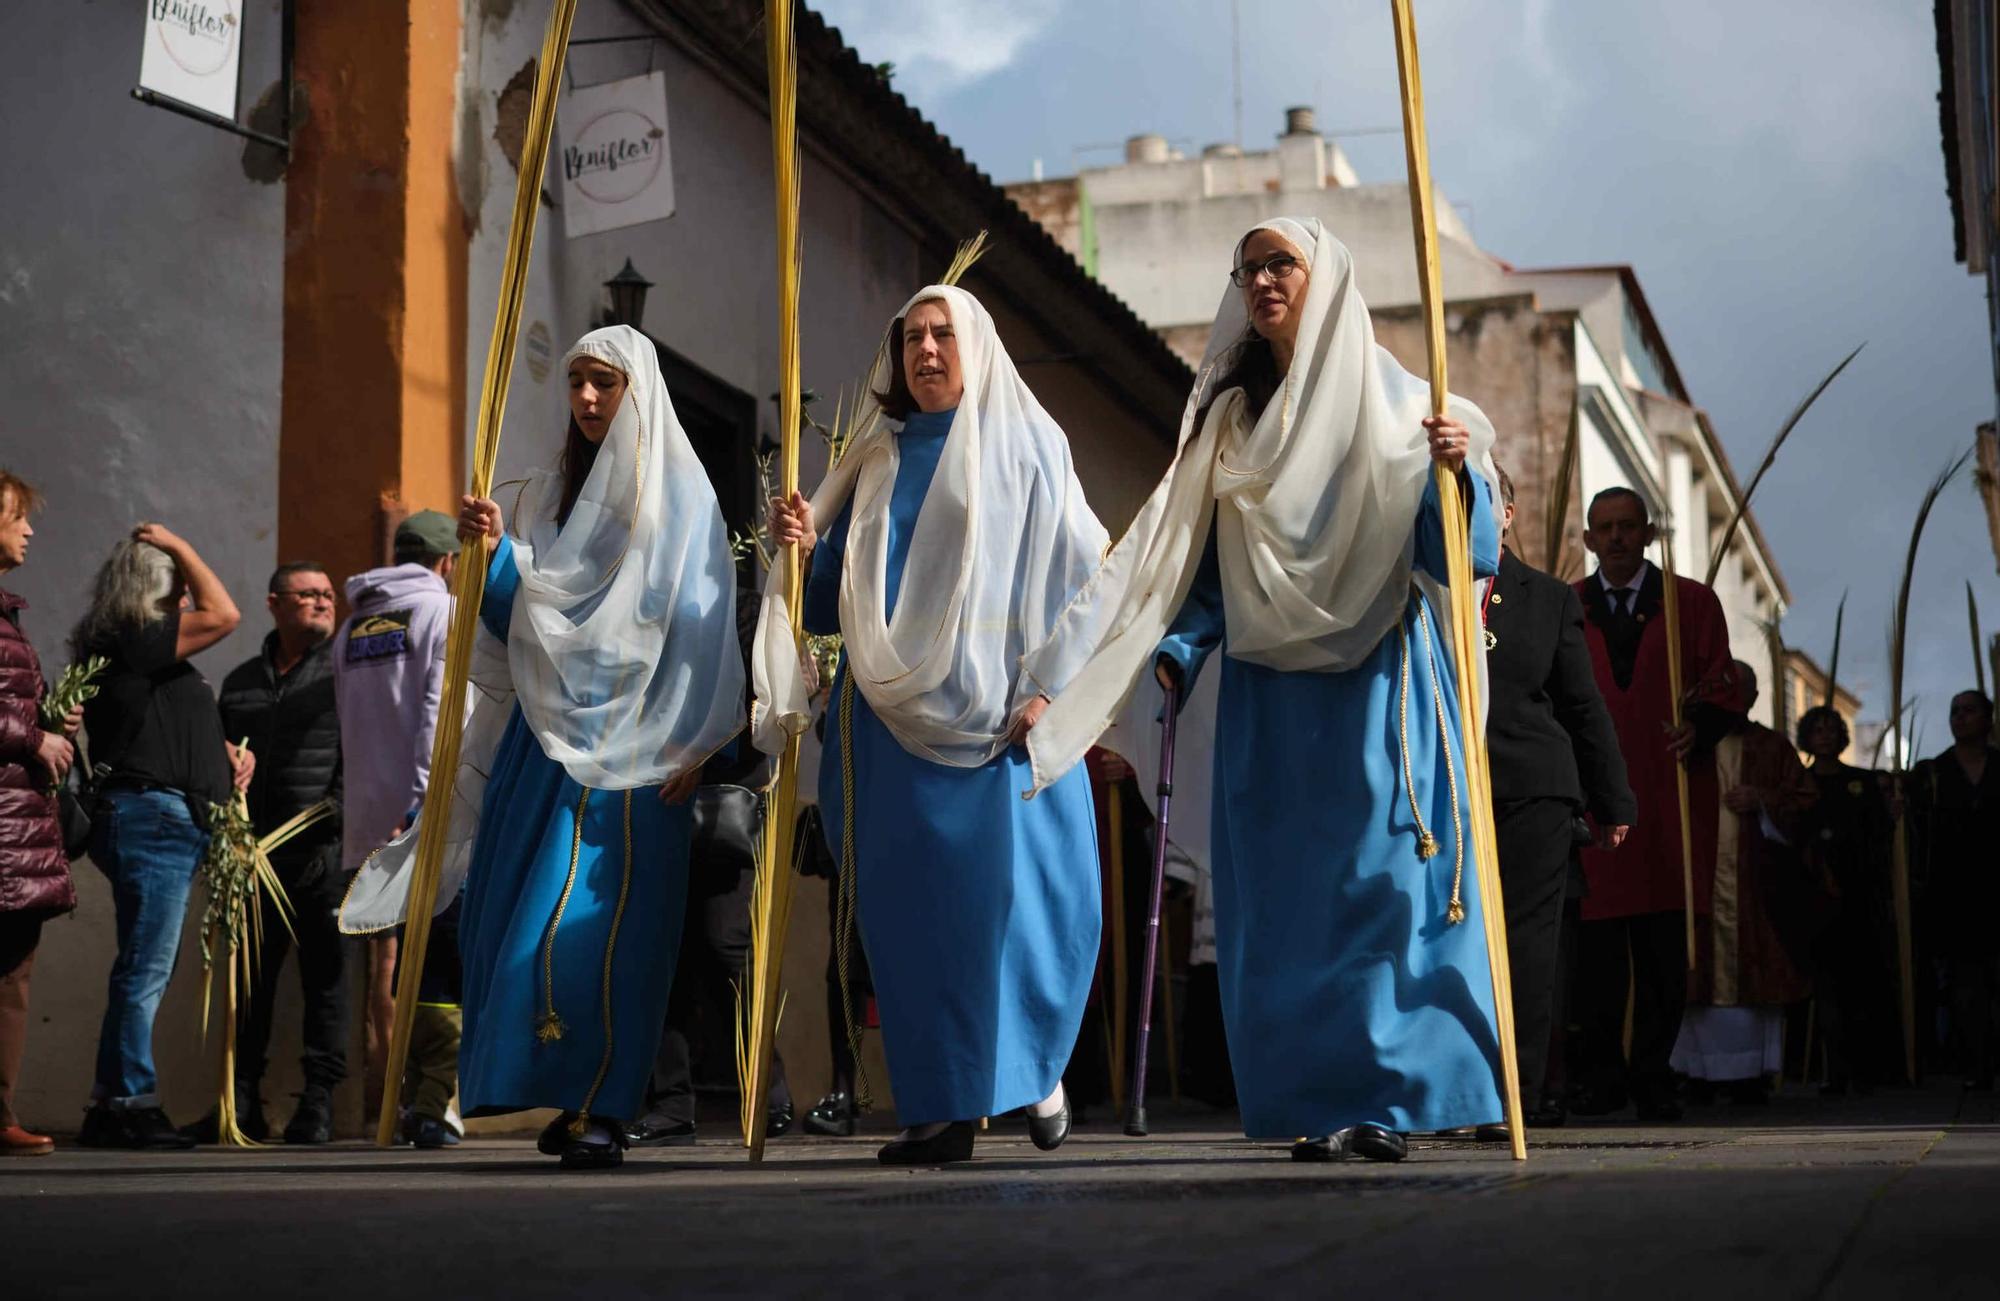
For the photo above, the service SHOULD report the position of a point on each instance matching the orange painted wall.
(375, 258)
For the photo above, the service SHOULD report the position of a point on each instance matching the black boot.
(312, 1123)
(1376, 1143)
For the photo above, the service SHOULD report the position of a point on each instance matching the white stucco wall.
(141, 299)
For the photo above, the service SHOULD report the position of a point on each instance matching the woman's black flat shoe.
(555, 1135)
(952, 1143)
(579, 1155)
(1048, 1132)
(1331, 1148)
(1376, 1142)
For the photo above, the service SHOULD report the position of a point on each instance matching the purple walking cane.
(1135, 1111)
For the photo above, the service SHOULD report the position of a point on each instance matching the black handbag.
(73, 801)
(728, 823)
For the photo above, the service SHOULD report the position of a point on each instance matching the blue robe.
(978, 910)
(1347, 996)
(609, 946)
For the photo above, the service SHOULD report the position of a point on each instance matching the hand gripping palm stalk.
(1135, 1110)
(469, 581)
(1467, 645)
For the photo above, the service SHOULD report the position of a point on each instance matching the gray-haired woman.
(160, 759)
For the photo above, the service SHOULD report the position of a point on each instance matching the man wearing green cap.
(389, 675)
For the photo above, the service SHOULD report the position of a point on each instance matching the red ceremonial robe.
(1644, 874)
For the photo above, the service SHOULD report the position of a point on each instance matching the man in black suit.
(1554, 755)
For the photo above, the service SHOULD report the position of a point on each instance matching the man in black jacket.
(1554, 754)
(282, 701)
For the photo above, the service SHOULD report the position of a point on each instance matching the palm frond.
(1764, 466)
(1899, 629)
(1555, 525)
(1833, 660)
(969, 252)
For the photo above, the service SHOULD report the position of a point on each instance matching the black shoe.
(579, 1155)
(832, 1116)
(1550, 1115)
(654, 1132)
(952, 1143)
(428, 1134)
(1331, 1148)
(555, 1135)
(144, 1130)
(1492, 1133)
(778, 1121)
(1376, 1142)
(312, 1123)
(1048, 1132)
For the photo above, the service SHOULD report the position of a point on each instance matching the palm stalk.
(237, 876)
(1898, 646)
(1978, 655)
(1466, 646)
(1764, 466)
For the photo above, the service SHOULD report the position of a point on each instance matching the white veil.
(622, 648)
(1003, 540)
(1315, 506)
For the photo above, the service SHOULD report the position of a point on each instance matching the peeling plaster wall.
(141, 269)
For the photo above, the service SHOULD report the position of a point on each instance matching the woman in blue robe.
(1300, 532)
(954, 540)
(612, 599)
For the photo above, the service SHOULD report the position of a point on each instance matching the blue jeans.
(147, 843)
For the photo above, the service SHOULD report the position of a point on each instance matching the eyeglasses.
(320, 597)
(1279, 266)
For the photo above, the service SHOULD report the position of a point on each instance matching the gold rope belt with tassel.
(1427, 845)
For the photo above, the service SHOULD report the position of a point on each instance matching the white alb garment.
(1003, 540)
(1314, 504)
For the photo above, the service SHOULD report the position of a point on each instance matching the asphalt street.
(1897, 1194)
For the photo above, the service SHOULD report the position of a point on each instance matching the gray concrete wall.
(141, 275)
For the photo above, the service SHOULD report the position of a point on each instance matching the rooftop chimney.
(1299, 121)
(1146, 149)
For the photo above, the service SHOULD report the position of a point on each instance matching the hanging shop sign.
(191, 52)
(614, 158)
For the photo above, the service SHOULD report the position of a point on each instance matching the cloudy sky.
(1772, 170)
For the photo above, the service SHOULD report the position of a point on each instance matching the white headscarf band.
(1002, 541)
(1315, 505)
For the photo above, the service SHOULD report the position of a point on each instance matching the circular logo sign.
(616, 155)
(199, 35)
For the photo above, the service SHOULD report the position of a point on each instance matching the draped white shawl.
(621, 650)
(1314, 505)
(1003, 540)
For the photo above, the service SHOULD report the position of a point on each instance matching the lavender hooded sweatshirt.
(388, 674)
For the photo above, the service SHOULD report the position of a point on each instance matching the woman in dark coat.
(34, 872)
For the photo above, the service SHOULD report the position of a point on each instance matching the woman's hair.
(578, 455)
(16, 496)
(127, 595)
(1252, 367)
